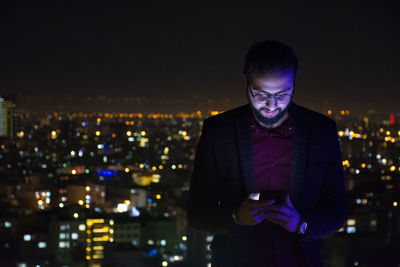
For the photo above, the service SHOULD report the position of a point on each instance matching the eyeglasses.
(264, 96)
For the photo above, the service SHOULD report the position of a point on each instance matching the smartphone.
(278, 195)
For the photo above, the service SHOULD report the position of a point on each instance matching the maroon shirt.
(271, 245)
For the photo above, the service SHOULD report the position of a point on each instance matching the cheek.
(254, 104)
(283, 106)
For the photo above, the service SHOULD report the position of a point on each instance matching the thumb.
(288, 202)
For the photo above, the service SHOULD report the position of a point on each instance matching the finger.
(258, 218)
(277, 208)
(262, 203)
(275, 217)
(273, 214)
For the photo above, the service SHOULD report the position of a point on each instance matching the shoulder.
(313, 117)
(227, 117)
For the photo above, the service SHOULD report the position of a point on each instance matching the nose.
(271, 103)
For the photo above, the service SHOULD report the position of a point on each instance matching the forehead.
(271, 82)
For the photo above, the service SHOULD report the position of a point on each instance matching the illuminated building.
(99, 232)
(6, 118)
(91, 195)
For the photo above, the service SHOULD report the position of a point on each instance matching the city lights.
(27, 237)
(109, 150)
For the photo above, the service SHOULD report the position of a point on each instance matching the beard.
(269, 121)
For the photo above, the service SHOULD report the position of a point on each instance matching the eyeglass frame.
(268, 95)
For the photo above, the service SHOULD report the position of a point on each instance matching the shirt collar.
(283, 130)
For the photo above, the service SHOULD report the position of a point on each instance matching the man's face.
(277, 83)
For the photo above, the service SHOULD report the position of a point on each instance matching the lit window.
(64, 227)
(351, 229)
(63, 236)
(82, 227)
(27, 237)
(42, 245)
(74, 236)
(122, 207)
(163, 242)
(351, 222)
(7, 224)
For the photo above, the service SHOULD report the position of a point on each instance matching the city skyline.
(80, 188)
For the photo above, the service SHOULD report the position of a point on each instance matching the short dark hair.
(270, 56)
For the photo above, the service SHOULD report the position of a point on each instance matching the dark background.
(185, 55)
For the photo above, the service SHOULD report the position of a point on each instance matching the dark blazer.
(223, 176)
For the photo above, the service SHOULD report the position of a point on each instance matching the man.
(275, 147)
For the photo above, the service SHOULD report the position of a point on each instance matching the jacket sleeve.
(204, 209)
(331, 212)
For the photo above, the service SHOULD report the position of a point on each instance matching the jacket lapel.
(245, 146)
(300, 153)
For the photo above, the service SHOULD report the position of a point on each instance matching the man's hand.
(248, 212)
(284, 215)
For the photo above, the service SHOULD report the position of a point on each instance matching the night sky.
(175, 55)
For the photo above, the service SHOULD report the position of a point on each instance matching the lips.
(268, 112)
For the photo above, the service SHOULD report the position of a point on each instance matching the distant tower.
(7, 108)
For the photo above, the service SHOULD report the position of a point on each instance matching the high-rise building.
(7, 109)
